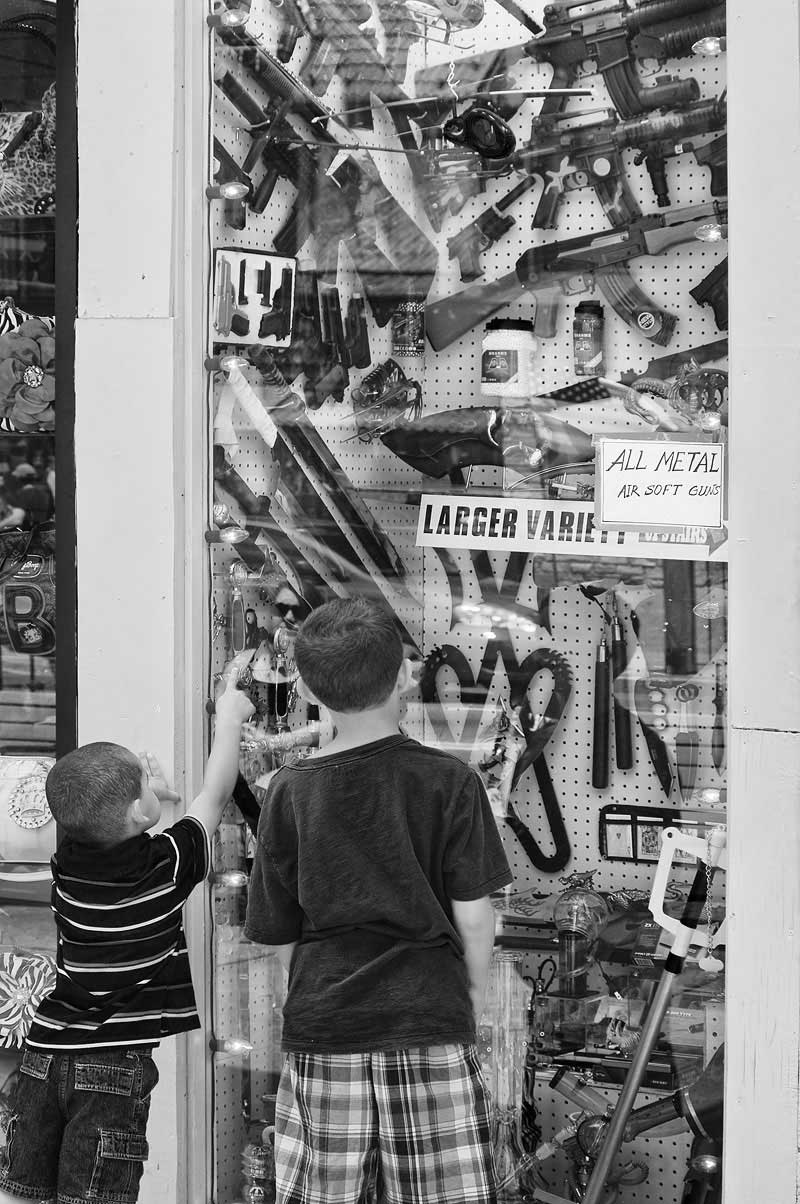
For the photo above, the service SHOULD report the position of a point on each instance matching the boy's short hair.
(348, 653)
(90, 788)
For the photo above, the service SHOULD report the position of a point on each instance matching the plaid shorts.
(407, 1126)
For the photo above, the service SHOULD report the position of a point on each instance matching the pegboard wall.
(434, 595)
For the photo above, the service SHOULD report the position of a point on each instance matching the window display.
(27, 515)
(467, 356)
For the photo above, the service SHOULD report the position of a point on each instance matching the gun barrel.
(656, 12)
(699, 118)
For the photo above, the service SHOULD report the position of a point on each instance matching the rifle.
(573, 265)
(665, 367)
(591, 148)
(613, 35)
(588, 153)
(713, 290)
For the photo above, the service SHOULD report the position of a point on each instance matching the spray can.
(587, 339)
(507, 358)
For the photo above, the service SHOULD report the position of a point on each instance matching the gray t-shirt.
(359, 854)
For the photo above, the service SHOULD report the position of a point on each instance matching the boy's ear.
(136, 813)
(405, 677)
(304, 693)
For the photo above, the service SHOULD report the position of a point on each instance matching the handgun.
(713, 290)
(277, 324)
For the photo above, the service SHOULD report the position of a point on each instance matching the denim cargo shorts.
(75, 1131)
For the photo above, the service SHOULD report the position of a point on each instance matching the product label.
(408, 329)
(587, 341)
(499, 366)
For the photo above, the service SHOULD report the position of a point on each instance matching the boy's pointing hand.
(156, 779)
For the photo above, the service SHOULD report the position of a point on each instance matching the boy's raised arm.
(233, 707)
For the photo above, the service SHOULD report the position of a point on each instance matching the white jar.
(507, 358)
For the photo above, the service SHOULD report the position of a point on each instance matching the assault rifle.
(591, 153)
(574, 265)
(610, 33)
(613, 34)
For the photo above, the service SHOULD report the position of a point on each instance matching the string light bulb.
(231, 878)
(226, 363)
(227, 19)
(231, 190)
(710, 47)
(231, 1045)
(226, 529)
(711, 232)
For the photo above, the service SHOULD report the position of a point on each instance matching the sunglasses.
(287, 608)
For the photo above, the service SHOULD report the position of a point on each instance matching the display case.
(466, 353)
(32, 693)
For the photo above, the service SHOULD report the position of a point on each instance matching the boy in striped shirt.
(77, 1127)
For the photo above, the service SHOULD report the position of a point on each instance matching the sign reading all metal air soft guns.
(656, 483)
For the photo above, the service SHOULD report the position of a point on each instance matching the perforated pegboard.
(450, 379)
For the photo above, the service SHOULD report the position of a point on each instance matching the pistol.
(713, 290)
(277, 323)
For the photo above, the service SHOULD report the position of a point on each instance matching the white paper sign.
(547, 526)
(657, 483)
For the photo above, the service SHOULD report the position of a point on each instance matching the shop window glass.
(28, 405)
(467, 355)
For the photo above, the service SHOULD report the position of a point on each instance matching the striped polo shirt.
(122, 966)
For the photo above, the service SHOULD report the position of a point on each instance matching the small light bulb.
(231, 190)
(227, 19)
(231, 1045)
(224, 363)
(705, 1163)
(233, 534)
(710, 232)
(710, 47)
(232, 878)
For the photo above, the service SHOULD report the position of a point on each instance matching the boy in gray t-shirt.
(372, 876)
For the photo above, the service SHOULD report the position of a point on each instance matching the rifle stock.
(451, 317)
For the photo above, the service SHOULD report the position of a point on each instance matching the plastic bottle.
(507, 358)
(587, 339)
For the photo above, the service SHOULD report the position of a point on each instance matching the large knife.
(656, 747)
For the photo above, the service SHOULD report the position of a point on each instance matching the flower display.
(24, 981)
(27, 377)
